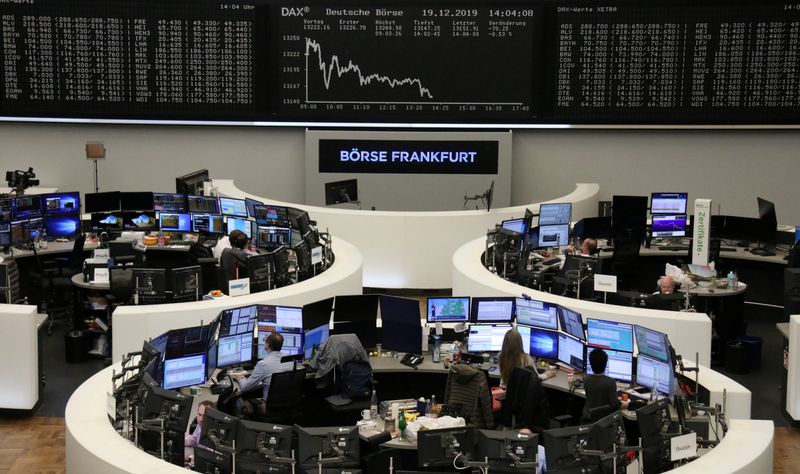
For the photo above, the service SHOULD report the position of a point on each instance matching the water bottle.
(373, 405)
(437, 349)
(734, 282)
(43, 238)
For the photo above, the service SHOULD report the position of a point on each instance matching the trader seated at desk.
(666, 298)
(193, 440)
(270, 364)
(234, 259)
(600, 389)
(588, 247)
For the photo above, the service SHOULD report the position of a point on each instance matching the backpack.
(356, 381)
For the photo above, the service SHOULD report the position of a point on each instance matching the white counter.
(134, 324)
(793, 380)
(413, 249)
(20, 354)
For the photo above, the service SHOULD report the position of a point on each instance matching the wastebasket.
(736, 358)
(75, 347)
(753, 344)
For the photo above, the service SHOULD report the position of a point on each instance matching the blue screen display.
(232, 207)
(315, 338)
(654, 374)
(61, 203)
(609, 335)
(669, 226)
(541, 342)
(619, 366)
(175, 222)
(240, 224)
(516, 225)
(62, 226)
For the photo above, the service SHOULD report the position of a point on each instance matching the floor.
(33, 445)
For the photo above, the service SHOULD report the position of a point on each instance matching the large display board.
(526, 62)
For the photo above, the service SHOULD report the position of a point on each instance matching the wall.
(729, 166)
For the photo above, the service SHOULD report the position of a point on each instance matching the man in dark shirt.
(600, 389)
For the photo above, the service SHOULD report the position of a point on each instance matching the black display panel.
(406, 62)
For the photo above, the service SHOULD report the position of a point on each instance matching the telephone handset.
(412, 360)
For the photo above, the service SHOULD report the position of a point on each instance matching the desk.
(77, 281)
(20, 350)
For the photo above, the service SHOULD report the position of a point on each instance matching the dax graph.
(407, 63)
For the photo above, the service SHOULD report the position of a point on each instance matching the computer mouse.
(493, 368)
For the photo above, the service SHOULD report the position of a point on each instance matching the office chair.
(121, 285)
(202, 255)
(285, 398)
(73, 263)
(51, 288)
(10, 291)
(526, 404)
(597, 413)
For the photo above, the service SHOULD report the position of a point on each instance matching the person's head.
(273, 342)
(666, 285)
(511, 354)
(238, 239)
(201, 410)
(589, 246)
(598, 360)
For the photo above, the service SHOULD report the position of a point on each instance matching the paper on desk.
(100, 275)
(432, 424)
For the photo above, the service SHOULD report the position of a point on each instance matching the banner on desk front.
(702, 231)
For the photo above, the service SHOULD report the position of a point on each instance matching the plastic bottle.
(401, 425)
(43, 238)
(437, 349)
(731, 276)
(433, 405)
(734, 282)
(373, 404)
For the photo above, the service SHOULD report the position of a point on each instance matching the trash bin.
(75, 347)
(753, 344)
(736, 358)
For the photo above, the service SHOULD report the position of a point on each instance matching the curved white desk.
(413, 249)
(134, 324)
(20, 351)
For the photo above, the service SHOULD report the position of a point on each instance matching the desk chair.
(121, 285)
(526, 404)
(74, 262)
(285, 398)
(51, 287)
(597, 413)
(468, 387)
(10, 292)
(202, 255)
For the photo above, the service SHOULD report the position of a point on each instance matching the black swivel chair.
(285, 398)
(201, 255)
(52, 289)
(526, 404)
(121, 285)
(600, 412)
(74, 262)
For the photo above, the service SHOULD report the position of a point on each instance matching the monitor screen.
(668, 203)
(402, 337)
(609, 335)
(206, 204)
(339, 192)
(238, 320)
(26, 207)
(619, 366)
(243, 225)
(186, 282)
(273, 237)
(233, 207)
(267, 214)
(571, 322)
(654, 374)
(652, 343)
(314, 338)
(669, 226)
(170, 202)
(5, 233)
(102, 202)
(554, 235)
(208, 223)
(107, 221)
(492, 310)
(5, 210)
(142, 201)
(24, 231)
(454, 309)
(595, 227)
(537, 313)
(192, 183)
(487, 337)
(541, 343)
(571, 352)
(555, 213)
(235, 350)
(292, 337)
(145, 220)
(61, 203)
(171, 221)
(515, 225)
(62, 225)
(184, 371)
(251, 207)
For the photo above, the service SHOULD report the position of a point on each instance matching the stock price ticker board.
(524, 62)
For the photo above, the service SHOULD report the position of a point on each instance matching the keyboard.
(673, 247)
(550, 261)
(762, 252)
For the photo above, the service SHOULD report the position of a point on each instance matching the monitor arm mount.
(485, 198)
(270, 455)
(518, 462)
(718, 411)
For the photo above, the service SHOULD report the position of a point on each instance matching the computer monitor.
(619, 366)
(542, 343)
(263, 441)
(453, 309)
(155, 401)
(251, 205)
(498, 446)
(553, 235)
(669, 226)
(666, 302)
(233, 207)
(606, 435)
(339, 442)
(571, 322)
(555, 213)
(561, 446)
(300, 220)
(270, 215)
(192, 183)
(338, 192)
(107, 221)
(302, 254)
(212, 461)
(235, 350)
(186, 283)
(175, 222)
(609, 335)
(668, 203)
(202, 204)
(65, 225)
(499, 309)
(184, 371)
(769, 220)
(314, 338)
(292, 337)
(26, 207)
(594, 227)
(24, 231)
(281, 258)
(398, 310)
(219, 429)
(515, 225)
(655, 374)
(318, 313)
(243, 225)
(402, 337)
(260, 270)
(137, 201)
(440, 447)
(5, 234)
(572, 352)
(240, 320)
(357, 314)
(169, 202)
(269, 237)
(61, 203)
(537, 313)
(5, 210)
(150, 284)
(654, 419)
(143, 220)
(208, 223)
(652, 343)
(102, 202)
(487, 337)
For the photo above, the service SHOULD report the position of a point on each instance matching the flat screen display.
(26, 207)
(537, 313)
(273, 237)
(609, 335)
(102, 202)
(243, 225)
(233, 207)
(61, 203)
(654, 374)
(571, 322)
(555, 213)
(668, 203)
(652, 343)
(540, 343)
(487, 337)
(140, 201)
(235, 350)
(314, 338)
(669, 226)
(185, 371)
(454, 309)
(267, 214)
(619, 366)
(492, 310)
(145, 220)
(170, 202)
(553, 235)
(515, 225)
(571, 352)
(62, 225)
(205, 204)
(174, 222)
(208, 223)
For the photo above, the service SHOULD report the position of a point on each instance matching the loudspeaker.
(791, 281)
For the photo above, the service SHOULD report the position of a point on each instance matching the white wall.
(729, 166)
